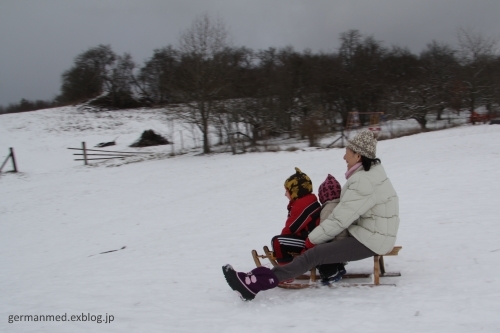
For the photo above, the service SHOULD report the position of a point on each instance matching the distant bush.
(150, 138)
(273, 149)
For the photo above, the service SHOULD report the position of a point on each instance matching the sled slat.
(256, 258)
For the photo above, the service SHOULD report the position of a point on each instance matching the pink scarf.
(352, 170)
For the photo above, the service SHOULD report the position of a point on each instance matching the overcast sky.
(39, 39)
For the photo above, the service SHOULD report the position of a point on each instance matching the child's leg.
(284, 246)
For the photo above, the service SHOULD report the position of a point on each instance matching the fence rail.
(106, 154)
(12, 157)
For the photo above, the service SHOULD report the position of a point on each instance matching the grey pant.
(348, 249)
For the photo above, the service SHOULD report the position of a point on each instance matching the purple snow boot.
(247, 285)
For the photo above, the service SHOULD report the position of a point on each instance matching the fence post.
(84, 153)
(13, 159)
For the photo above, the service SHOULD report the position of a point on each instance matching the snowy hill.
(180, 219)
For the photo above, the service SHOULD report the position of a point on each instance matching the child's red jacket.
(303, 216)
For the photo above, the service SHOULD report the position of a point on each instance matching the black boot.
(331, 272)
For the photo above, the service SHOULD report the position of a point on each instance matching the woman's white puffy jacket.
(368, 208)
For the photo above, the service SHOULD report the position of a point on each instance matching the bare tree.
(86, 79)
(202, 71)
(100, 78)
(474, 46)
(439, 68)
(477, 57)
(358, 80)
(156, 80)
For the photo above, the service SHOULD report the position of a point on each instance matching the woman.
(368, 209)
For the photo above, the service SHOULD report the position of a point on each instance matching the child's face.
(287, 194)
(351, 158)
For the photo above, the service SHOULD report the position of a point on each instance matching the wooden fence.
(12, 157)
(102, 154)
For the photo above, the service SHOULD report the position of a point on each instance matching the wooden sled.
(300, 282)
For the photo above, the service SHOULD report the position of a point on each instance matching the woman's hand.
(308, 245)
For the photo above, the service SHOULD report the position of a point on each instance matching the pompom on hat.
(299, 184)
(364, 143)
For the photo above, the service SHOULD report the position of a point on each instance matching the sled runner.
(309, 280)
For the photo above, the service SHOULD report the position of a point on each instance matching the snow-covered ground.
(181, 218)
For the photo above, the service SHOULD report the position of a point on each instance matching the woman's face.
(351, 158)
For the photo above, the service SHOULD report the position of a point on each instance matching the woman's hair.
(368, 162)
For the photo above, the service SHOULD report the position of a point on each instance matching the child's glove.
(329, 190)
(308, 245)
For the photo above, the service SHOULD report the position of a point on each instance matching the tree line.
(27, 105)
(210, 83)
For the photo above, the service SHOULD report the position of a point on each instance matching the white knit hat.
(365, 144)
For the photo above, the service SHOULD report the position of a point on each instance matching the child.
(303, 217)
(329, 196)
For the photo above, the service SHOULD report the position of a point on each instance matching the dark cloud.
(39, 39)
